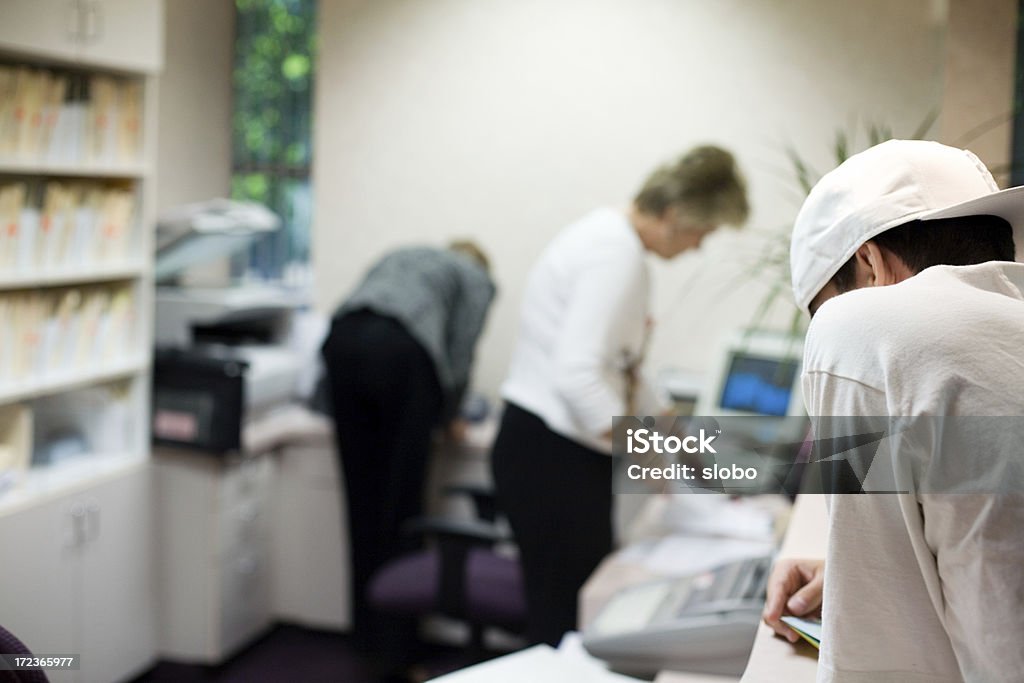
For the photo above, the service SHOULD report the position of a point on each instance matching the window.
(275, 47)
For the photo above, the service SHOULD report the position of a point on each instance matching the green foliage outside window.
(275, 48)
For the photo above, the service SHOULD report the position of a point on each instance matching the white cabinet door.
(122, 34)
(37, 574)
(47, 28)
(244, 551)
(117, 579)
(310, 573)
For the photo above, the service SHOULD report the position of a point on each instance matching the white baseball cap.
(885, 186)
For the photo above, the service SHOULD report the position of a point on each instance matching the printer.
(222, 357)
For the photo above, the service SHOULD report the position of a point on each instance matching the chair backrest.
(10, 645)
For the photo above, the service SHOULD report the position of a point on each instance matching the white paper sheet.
(539, 664)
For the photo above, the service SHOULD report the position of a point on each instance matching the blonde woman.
(582, 332)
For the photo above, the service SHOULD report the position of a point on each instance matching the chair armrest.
(472, 533)
(484, 500)
(455, 539)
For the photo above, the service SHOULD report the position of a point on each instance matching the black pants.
(386, 401)
(558, 498)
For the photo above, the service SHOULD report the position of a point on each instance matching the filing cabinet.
(213, 553)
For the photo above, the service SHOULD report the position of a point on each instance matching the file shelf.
(44, 387)
(63, 277)
(77, 148)
(16, 167)
(78, 105)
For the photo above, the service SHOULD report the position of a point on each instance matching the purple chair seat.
(10, 645)
(409, 585)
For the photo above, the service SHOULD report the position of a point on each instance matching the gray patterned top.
(441, 297)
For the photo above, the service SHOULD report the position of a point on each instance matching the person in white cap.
(904, 256)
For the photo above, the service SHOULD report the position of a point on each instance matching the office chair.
(459, 576)
(10, 645)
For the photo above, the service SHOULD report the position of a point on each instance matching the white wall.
(194, 138)
(504, 119)
(977, 102)
(195, 102)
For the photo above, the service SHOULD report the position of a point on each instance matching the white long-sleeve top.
(925, 586)
(583, 324)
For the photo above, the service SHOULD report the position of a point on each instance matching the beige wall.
(978, 99)
(504, 119)
(194, 142)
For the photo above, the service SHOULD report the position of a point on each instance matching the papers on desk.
(539, 664)
(684, 555)
(716, 515)
(694, 533)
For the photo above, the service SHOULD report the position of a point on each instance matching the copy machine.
(222, 358)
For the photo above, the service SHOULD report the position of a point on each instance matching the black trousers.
(557, 495)
(386, 401)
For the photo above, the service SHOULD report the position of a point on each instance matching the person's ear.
(875, 267)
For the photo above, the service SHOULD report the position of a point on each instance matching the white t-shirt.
(583, 321)
(923, 586)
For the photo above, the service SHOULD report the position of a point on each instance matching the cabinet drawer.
(117, 34)
(245, 598)
(245, 482)
(241, 530)
(44, 28)
(122, 34)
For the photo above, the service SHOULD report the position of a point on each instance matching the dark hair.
(961, 241)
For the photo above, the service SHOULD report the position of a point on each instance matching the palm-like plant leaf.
(772, 261)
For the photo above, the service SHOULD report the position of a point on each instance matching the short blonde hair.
(704, 184)
(472, 250)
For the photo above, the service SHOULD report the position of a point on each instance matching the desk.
(684, 677)
(623, 568)
(616, 571)
(773, 658)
